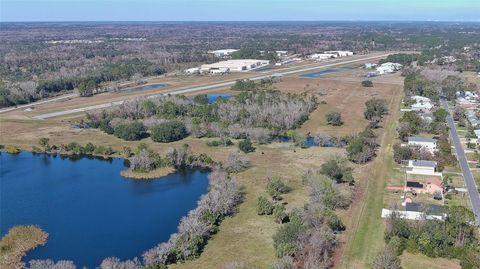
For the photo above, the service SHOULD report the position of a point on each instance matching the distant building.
(233, 66)
(388, 68)
(472, 118)
(422, 106)
(223, 52)
(195, 70)
(323, 56)
(281, 53)
(370, 66)
(340, 53)
(426, 143)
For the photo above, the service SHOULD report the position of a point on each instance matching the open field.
(246, 236)
(415, 261)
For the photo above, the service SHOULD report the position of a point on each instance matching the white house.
(414, 211)
(422, 167)
(426, 143)
(389, 68)
(422, 106)
(472, 118)
(281, 53)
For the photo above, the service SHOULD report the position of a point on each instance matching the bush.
(246, 146)
(130, 131)
(12, 150)
(279, 214)
(221, 142)
(276, 187)
(264, 206)
(286, 239)
(334, 119)
(337, 169)
(367, 83)
(168, 132)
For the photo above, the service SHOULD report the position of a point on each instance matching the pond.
(212, 98)
(145, 87)
(89, 210)
(320, 73)
(309, 141)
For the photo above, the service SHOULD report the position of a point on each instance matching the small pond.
(148, 87)
(89, 210)
(309, 141)
(212, 98)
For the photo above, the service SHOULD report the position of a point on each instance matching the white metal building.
(422, 167)
(233, 66)
(388, 68)
(340, 53)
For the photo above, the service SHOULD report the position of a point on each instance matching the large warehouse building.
(233, 66)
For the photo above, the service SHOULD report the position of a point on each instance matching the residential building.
(426, 143)
(417, 211)
(472, 118)
(422, 167)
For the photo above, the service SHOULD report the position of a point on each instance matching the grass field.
(416, 261)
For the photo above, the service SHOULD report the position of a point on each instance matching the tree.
(401, 153)
(264, 206)
(387, 259)
(130, 131)
(44, 142)
(334, 119)
(367, 83)
(236, 163)
(276, 187)
(87, 87)
(246, 146)
(337, 169)
(375, 108)
(168, 132)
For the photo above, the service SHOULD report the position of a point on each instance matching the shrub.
(246, 146)
(334, 119)
(287, 238)
(168, 132)
(279, 214)
(367, 83)
(130, 131)
(276, 187)
(221, 142)
(264, 206)
(12, 150)
(337, 169)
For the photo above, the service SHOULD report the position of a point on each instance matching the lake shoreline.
(17, 242)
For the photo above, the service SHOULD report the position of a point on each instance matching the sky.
(239, 10)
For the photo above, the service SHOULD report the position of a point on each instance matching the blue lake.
(212, 98)
(145, 87)
(89, 210)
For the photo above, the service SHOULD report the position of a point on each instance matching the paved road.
(207, 87)
(467, 174)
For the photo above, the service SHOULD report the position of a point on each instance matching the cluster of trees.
(222, 142)
(87, 85)
(412, 123)
(146, 160)
(275, 188)
(326, 140)
(401, 58)
(455, 237)
(259, 115)
(250, 85)
(362, 147)
(334, 118)
(236, 162)
(198, 226)
(308, 239)
(72, 148)
(433, 83)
